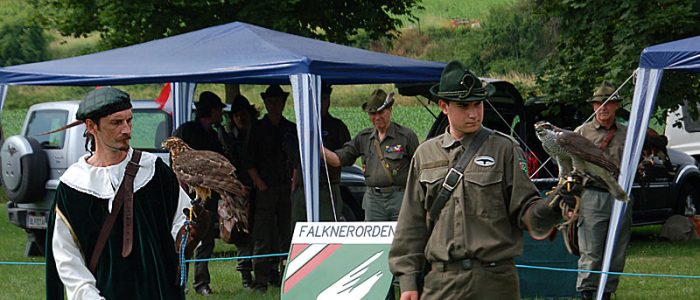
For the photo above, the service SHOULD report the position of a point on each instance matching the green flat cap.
(459, 84)
(603, 92)
(102, 102)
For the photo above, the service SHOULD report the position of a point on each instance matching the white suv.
(687, 137)
(32, 163)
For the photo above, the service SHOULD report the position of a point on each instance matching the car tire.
(689, 195)
(25, 169)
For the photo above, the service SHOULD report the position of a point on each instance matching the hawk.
(577, 155)
(205, 172)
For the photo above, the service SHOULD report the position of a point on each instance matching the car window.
(47, 120)
(150, 128)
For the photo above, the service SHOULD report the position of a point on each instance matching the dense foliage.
(20, 40)
(129, 22)
(602, 40)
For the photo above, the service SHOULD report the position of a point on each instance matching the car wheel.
(25, 169)
(689, 200)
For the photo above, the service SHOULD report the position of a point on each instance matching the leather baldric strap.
(454, 176)
(124, 197)
(385, 165)
(608, 137)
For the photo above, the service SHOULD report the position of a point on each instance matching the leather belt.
(467, 264)
(387, 189)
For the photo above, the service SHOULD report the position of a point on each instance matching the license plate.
(36, 222)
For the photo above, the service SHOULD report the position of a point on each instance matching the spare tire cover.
(25, 169)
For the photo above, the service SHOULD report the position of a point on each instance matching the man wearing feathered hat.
(464, 214)
(113, 226)
(386, 150)
(596, 201)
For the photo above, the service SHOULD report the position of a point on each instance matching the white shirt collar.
(103, 182)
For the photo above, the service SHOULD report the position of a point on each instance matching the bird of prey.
(575, 153)
(205, 172)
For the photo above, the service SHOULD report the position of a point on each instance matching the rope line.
(517, 265)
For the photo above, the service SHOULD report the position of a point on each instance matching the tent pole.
(646, 89)
(307, 103)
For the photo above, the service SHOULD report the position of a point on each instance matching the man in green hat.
(139, 259)
(596, 202)
(386, 150)
(468, 242)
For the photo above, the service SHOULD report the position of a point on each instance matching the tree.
(123, 23)
(602, 40)
(20, 40)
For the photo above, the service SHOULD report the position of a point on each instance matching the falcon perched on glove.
(574, 153)
(205, 172)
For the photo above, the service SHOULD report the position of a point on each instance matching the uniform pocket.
(484, 194)
(394, 155)
(431, 179)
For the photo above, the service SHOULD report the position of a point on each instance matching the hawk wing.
(577, 145)
(207, 169)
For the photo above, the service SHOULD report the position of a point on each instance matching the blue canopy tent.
(681, 55)
(234, 53)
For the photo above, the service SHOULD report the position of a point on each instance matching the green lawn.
(646, 255)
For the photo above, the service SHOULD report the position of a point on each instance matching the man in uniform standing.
(334, 134)
(596, 202)
(386, 151)
(478, 230)
(201, 135)
(270, 161)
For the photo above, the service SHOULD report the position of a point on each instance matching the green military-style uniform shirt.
(484, 218)
(397, 148)
(596, 133)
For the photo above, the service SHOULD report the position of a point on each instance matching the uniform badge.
(484, 161)
(523, 166)
(398, 148)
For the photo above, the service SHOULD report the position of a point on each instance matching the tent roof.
(230, 53)
(677, 55)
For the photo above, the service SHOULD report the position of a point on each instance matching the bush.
(21, 43)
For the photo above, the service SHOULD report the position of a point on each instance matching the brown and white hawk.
(205, 172)
(577, 155)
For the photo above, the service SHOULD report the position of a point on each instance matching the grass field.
(646, 255)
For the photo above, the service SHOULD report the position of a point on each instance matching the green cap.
(457, 83)
(102, 102)
(603, 92)
(378, 101)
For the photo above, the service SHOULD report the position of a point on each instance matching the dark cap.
(603, 92)
(378, 101)
(274, 90)
(208, 101)
(241, 103)
(459, 84)
(102, 102)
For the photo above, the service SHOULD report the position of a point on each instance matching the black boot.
(246, 279)
(275, 279)
(587, 295)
